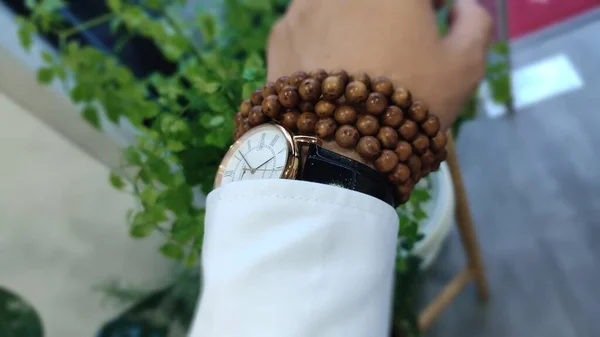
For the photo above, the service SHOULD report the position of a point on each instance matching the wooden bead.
(306, 107)
(310, 90)
(256, 97)
(414, 163)
(416, 176)
(388, 137)
(386, 162)
(245, 107)
(245, 127)
(402, 98)
(237, 135)
(441, 156)
(332, 87)
(425, 170)
(367, 125)
(289, 119)
(361, 77)
(418, 112)
(403, 150)
(405, 189)
(342, 74)
(427, 158)
(403, 199)
(356, 92)
(281, 82)
(420, 143)
(431, 125)
(318, 74)
(306, 123)
(324, 108)
(400, 174)
(408, 129)
(392, 116)
(288, 96)
(438, 142)
(271, 106)
(345, 114)
(376, 103)
(325, 128)
(368, 148)
(383, 85)
(268, 90)
(435, 166)
(347, 136)
(238, 118)
(297, 78)
(256, 116)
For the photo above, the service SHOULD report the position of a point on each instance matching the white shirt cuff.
(293, 258)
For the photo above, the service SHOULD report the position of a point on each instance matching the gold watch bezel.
(293, 143)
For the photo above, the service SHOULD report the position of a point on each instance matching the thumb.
(470, 27)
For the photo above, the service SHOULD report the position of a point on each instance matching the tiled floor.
(534, 187)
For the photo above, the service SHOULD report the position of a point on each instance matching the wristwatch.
(270, 151)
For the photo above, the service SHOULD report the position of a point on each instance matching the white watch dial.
(262, 153)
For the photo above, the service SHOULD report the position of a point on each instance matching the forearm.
(291, 258)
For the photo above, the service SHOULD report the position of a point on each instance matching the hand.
(394, 38)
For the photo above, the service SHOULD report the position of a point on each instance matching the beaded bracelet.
(397, 135)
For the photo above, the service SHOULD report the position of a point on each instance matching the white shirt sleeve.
(293, 258)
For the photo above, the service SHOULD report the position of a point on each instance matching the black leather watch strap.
(327, 167)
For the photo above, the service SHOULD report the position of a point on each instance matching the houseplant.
(184, 117)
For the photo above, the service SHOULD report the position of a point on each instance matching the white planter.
(440, 211)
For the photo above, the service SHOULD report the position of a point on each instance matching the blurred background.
(101, 99)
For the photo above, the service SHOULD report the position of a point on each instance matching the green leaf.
(90, 114)
(45, 75)
(216, 121)
(500, 48)
(148, 196)
(82, 93)
(142, 225)
(208, 87)
(132, 156)
(141, 230)
(25, 33)
(192, 258)
(184, 229)
(172, 250)
(116, 181)
(30, 4)
(47, 57)
(420, 195)
(248, 89)
(177, 198)
(114, 5)
(208, 26)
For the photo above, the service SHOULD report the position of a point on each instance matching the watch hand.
(250, 166)
(264, 163)
(265, 169)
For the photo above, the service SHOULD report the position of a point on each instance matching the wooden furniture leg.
(465, 222)
(474, 270)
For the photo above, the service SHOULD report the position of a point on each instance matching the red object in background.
(527, 16)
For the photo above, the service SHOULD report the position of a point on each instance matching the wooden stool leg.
(465, 222)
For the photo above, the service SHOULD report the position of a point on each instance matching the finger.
(470, 24)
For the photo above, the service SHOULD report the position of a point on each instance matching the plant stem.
(86, 25)
(173, 23)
